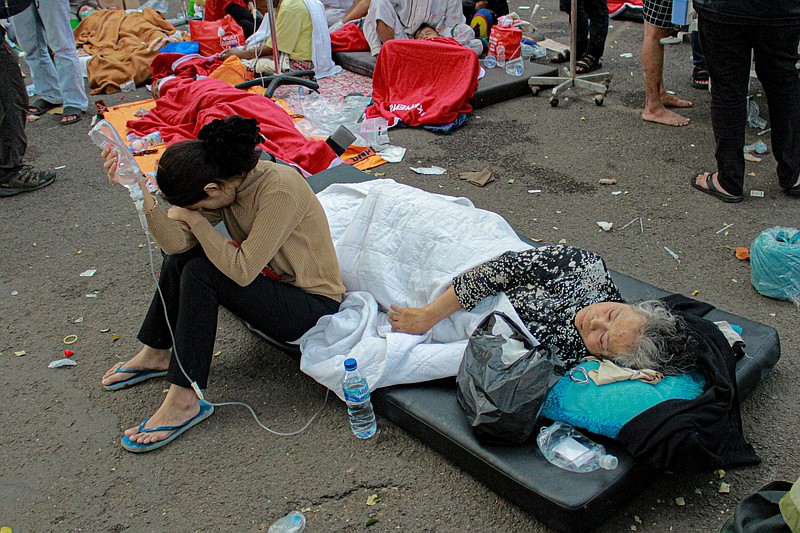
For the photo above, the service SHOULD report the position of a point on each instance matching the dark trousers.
(13, 109)
(592, 26)
(243, 18)
(193, 290)
(727, 48)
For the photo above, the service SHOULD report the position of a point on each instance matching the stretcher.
(495, 87)
(563, 500)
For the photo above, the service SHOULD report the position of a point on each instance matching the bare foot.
(147, 359)
(664, 116)
(669, 100)
(180, 406)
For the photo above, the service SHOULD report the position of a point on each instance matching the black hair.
(225, 149)
(424, 25)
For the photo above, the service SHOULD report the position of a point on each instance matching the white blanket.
(400, 245)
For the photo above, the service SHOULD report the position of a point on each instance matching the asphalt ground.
(63, 468)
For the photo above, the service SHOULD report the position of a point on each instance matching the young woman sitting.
(280, 275)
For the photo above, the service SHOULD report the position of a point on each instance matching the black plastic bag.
(502, 400)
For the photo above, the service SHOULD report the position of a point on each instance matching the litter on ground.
(58, 363)
(428, 171)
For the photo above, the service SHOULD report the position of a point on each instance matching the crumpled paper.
(480, 178)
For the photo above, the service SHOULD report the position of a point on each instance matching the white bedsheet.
(400, 245)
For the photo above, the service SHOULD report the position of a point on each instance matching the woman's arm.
(419, 320)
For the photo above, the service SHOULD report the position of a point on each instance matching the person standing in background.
(45, 24)
(731, 33)
(15, 177)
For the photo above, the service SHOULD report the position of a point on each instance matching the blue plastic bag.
(775, 263)
(190, 47)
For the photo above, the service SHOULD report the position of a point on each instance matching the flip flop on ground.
(25, 179)
(560, 57)
(41, 106)
(71, 115)
(137, 376)
(711, 189)
(206, 409)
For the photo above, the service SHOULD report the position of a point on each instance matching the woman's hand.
(187, 216)
(110, 159)
(414, 320)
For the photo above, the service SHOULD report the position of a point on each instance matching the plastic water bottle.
(294, 522)
(128, 173)
(567, 448)
(501, 55)
(140, 144)
(359, 406)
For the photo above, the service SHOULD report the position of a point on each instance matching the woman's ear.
(211, 188)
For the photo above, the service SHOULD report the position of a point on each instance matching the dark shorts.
(658, 12)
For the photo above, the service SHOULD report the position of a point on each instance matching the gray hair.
(662, 343)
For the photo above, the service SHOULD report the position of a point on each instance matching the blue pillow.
(181, 47)
(605, 409)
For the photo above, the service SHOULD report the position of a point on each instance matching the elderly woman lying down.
(566, 298)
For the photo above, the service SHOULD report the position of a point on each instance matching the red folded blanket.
(423, 82)
(349, 38)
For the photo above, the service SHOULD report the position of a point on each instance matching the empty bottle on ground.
(567, 448)
(359, 406)
(294, 522)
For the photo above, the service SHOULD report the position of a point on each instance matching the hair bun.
(230, 140)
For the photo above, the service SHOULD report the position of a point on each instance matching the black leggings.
(728, 49)
(194, 289)
(243, 18)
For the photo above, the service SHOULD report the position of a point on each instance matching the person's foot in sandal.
(587, 63)
(700, 78)
(560, 57)
(148, 359)
(709, 184)
(40, 106)
(71, 115)
(24, 179)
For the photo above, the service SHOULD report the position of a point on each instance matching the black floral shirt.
(547, 287)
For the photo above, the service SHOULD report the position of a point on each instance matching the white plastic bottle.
(359, 406)
(140, 144)
(128, 173)
(501, 55)
(294, 522)
(567, 448)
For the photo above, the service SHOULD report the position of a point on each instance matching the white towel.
(320, 39)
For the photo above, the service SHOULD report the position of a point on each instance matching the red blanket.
(183, 66)
(186, 105)
(423, 82)
(349, 38)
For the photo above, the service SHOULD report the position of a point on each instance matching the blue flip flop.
(205, 411)
(137, 376)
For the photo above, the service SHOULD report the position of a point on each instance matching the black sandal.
(587, 64)
(560, 57)
(41, 106)
(75, 113)
(700, 78)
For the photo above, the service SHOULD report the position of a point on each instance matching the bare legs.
(385, 32)
(656, 98)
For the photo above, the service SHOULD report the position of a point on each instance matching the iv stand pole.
(569, 79)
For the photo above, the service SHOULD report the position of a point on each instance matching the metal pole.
(573, 39)
(275, 54)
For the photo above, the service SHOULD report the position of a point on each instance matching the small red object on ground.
(68, 353)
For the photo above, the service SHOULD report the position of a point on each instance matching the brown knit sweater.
(278, 221)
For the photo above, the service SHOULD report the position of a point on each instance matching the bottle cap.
(350, 364)
(608, 462)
